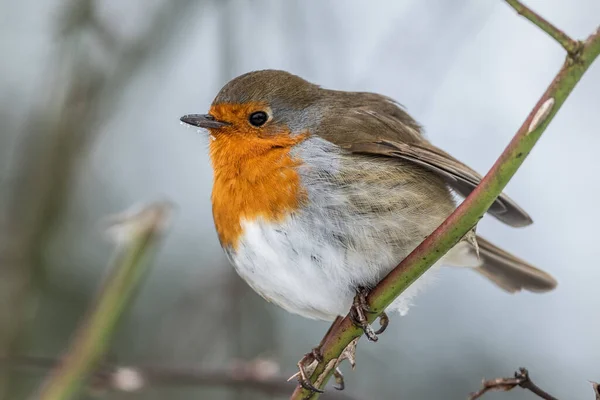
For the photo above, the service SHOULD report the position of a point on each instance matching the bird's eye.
(258, 118)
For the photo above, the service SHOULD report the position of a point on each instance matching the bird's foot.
(306, 366)
(309, 362)
(358, 312)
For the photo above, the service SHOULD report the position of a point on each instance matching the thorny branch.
(468, 214)
(520, 379)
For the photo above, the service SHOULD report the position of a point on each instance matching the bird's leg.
(358, 316)
(316, 355)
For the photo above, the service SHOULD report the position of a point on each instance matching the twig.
(137, 236)
(464, 218)
(520, 379)
(570, 45)
(259, 375)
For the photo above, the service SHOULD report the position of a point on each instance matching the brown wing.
(371, 124)
(509, 272)
(458, 176)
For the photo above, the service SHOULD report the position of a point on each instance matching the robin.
(319, 193)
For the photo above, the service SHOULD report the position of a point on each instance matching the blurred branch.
(462, 220)
(570, 45)
(55, 137)
(259, 375)
(520, 379)
(150, 46)
(137, 235)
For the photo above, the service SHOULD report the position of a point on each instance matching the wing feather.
(372, 124)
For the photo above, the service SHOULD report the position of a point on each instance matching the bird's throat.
(253, 178)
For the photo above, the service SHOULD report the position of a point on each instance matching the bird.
(318, 194)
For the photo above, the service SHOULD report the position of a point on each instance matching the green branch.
(570, 45)
(468, 214)
(137, 236)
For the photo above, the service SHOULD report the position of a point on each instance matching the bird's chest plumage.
(253, 182)
(322, 223)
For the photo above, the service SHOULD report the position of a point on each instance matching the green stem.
(570, 45)
(465, 217)
(140, 234)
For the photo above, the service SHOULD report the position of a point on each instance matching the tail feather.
(509, 272)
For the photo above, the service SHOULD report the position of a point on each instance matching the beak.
(202, 121)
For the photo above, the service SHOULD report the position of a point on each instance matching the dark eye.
(258, 118)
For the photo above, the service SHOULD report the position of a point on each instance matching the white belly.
(307, 275)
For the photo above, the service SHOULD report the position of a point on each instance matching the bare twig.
(520, 379)
(570, 45)
(137, 236)
(259, 375)
(464, 218)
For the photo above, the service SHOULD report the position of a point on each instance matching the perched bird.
(319, 193)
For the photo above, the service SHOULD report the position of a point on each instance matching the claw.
(358, 310)
(306, 364)
(339, 379)
(306, 384)
(309, 361)
(357, 314)
(384, 321)
(349, 354)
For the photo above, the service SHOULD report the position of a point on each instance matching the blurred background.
(91, 92)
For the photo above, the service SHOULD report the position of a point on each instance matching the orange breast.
(254, 177)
